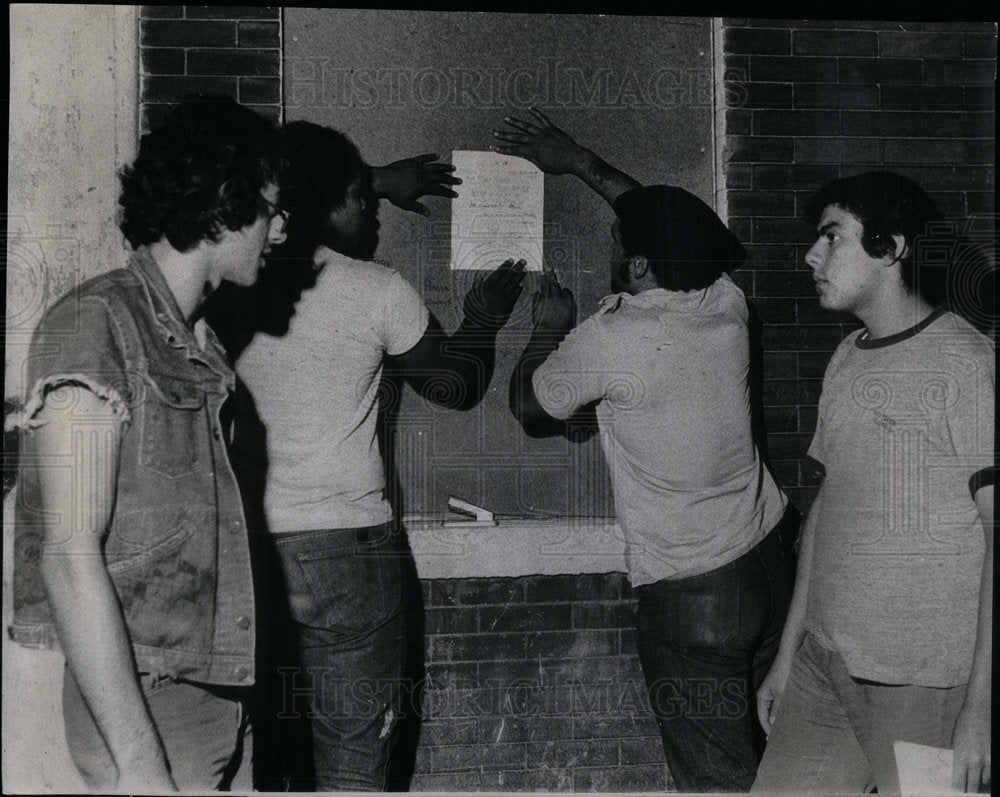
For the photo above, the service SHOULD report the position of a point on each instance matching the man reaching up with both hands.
(665, 357)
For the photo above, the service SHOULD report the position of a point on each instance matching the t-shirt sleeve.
(78, 342)
(404, 319)
(814, 468)
(971, 418)
(573, 374)
(815, 463)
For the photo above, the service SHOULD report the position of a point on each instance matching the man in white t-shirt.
(889, 633)
(666, 358)
(313, 370)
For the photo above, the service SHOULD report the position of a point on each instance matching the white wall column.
(74, 78)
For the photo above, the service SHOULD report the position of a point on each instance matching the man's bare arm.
(773, 685)
(554, 151)
(454, 371)
(971, 740)
(553, 309)
(78, 453)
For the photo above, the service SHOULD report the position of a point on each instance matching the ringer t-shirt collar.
(866, 341)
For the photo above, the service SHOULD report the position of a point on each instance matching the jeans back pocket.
(698, 612)
(347, 590)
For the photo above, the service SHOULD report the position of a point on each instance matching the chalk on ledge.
(478, 516)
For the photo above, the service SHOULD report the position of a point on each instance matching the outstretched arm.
(79, 455)
(455, 371)
(553, 309)
(404, 182)
(555, 152)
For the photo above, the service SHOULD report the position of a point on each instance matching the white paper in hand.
(923, 770)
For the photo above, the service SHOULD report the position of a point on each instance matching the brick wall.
(230, 51)
(808, 101)
(534, 684)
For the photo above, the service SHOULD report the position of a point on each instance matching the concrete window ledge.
(515, 547)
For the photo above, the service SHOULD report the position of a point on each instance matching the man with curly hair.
(132, 550)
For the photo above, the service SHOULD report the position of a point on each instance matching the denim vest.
(177, 548)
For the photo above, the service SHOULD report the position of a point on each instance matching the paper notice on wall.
(498, 213)
(923, 769)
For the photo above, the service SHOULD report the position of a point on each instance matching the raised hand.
(553, 307)
(551, 149)
(403, 182)
(490, 301)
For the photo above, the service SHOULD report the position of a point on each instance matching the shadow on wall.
(11, 413)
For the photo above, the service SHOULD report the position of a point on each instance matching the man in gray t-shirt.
(665, 359)
(888, 637)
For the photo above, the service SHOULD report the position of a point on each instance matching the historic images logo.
(550, 82)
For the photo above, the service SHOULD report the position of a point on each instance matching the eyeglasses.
(274, 211)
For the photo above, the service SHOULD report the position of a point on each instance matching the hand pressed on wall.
(548, 147)
(491, 300)
(553, 307)
(404, 182)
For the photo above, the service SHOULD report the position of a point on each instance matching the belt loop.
(148, 681)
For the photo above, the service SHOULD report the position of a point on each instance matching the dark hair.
(686, 244)
(320, 166)
(199, 172)
(887, 204)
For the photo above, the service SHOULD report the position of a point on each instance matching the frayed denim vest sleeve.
(78, 342)
(176, 549)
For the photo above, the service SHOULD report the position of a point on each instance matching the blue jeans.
(705, 644)
(834, 733)
(346, 598)
(204, 730)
